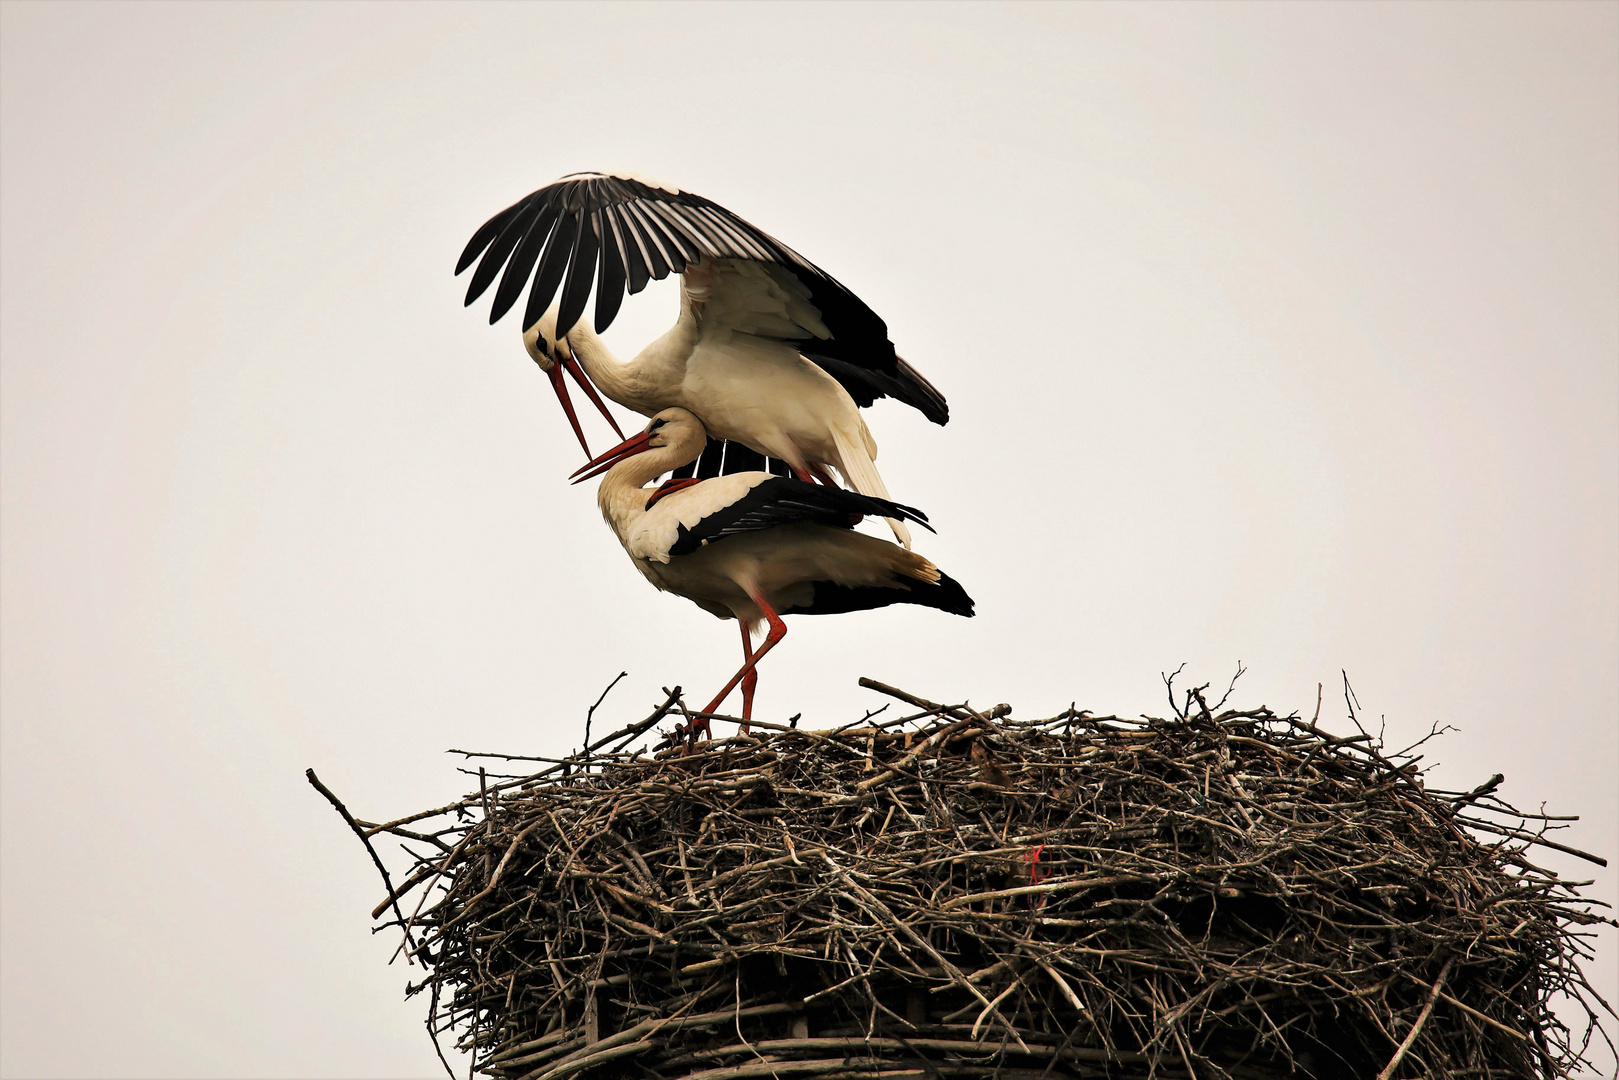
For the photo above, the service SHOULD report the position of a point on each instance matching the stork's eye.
(656, 424)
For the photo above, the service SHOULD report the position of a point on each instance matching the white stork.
(769, 350)
(752, 546)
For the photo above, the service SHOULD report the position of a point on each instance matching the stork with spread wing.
(769, 352)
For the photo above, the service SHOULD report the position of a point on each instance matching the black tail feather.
(834, 599)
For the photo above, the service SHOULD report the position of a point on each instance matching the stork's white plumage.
(769, 351)
(752, 546)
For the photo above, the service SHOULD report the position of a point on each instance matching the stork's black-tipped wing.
(787, 501)
(616, 232)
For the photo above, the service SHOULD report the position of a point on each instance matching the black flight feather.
(488, 231)
(739, 458)
(521, 264)
(714, 243)
(576, 289)
(609, 278)
(492, 259)
(709, 462)
(658, 258)
(866, 385)
(553, 264)
(681, 232)
(668, 238)
(636, 270)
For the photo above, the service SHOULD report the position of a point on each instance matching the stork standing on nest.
(769, 351)
(752, 547)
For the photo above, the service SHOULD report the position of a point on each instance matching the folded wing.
(781, 500)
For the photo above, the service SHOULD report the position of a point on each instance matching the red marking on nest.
(669, 487)
(1037, 874)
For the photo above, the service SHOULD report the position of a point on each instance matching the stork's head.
(678, 430)
(541, 342)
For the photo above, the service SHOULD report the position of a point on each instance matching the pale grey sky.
(1286, 334)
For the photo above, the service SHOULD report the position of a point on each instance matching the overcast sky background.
(1281, 334)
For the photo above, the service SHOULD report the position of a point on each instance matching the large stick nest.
(959, 894)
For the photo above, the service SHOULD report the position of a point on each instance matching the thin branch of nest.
(1222, 893)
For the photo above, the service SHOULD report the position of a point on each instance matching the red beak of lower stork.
(631, 446)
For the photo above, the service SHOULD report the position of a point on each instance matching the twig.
(1416, 1028)
(337, 803)
(591, 712)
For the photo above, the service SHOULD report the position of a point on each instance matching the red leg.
(813, 473)
(750, 680)
(778, 630)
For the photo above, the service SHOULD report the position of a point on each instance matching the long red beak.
(561, 388)
(631, 446)
(583, 380)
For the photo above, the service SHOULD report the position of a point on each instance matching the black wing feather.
(489, 265)
(522, 262)
(740, 458)
(830, 598)
(581, 269)
(659, 260)
(866, 385)
(681, 232)
(553, 264)
(610, 277)
(787, 501)
(487, 232)
(709, 461)
(645, 233)
(713, 241)
(637, 271)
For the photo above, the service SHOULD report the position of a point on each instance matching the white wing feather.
(658, 529)
(753, 298)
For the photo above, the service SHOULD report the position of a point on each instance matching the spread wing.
(616, 232)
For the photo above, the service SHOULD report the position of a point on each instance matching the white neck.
(647, 384)
(623, 495)
(611, 375)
